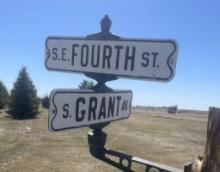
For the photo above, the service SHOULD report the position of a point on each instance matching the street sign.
(128, 58)
(74, 108)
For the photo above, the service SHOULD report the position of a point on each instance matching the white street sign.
(129, 58)
(76, 108)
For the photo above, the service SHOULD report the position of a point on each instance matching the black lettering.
(92, 108)
(54, 52)
(129, 57)
(124, 105)
(66, 110)
(84, 50)
(145, 58)
(118, 103)
(95, 64)
(111, 105)
(154, 58)
(82, 112)
(73, 52)
(107, 53)
(102, 112)
(63, 54)
(118, 48)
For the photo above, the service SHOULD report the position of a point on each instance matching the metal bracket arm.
(97, 139)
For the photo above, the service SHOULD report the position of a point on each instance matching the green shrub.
(45, 102)
(86, 84)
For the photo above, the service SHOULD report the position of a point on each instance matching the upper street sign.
(129, 58)
(77, 107)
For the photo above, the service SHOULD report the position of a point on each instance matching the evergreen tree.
(86, 84)
(24, 102)
(45, 102)
(3, 95)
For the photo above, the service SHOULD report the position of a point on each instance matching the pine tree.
(86, 84)
(3, 95)
(23, 102)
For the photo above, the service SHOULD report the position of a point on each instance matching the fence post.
(211, 158)
(210, 162)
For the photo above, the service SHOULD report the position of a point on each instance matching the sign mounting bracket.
(101, 79)
(105, 34)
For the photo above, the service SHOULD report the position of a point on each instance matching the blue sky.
(193, 24)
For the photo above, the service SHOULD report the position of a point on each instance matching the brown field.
(157, 136)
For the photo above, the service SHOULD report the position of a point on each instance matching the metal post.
(96, 137)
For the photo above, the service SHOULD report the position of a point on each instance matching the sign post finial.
(106, 24)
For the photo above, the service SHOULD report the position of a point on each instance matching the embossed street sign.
(126, 58)
(76, 108)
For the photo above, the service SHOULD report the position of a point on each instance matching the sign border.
(83, 91)
(171, 41)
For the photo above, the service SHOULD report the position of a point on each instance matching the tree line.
(23, 102)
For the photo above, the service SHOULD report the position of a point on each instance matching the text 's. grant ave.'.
(78, 108)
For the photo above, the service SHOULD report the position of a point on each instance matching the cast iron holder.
(96, 137)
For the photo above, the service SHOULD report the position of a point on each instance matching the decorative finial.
(106, 24)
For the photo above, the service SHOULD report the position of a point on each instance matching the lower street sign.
(74, 108)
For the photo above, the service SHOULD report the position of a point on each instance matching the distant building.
(172, 109)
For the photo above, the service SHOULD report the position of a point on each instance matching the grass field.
(157, 136)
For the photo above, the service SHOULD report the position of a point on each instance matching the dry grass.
(169, 139)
